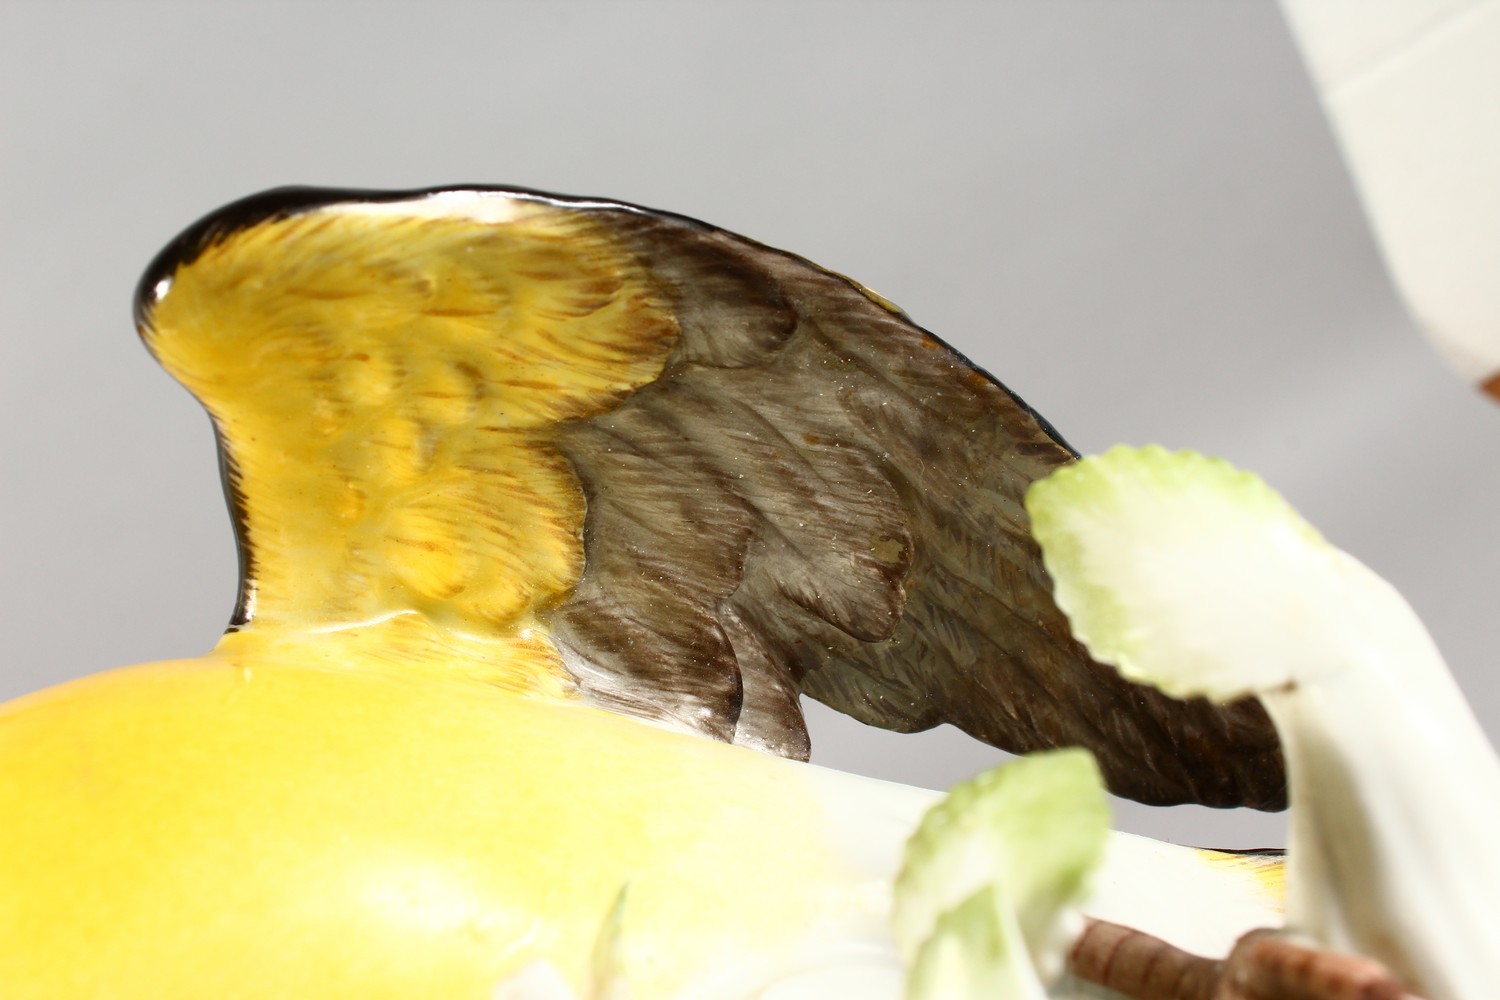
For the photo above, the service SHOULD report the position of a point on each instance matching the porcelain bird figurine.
(549, 511)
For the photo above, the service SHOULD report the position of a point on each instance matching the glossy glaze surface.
(249, 825)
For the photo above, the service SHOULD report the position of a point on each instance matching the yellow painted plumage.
(393, 386)
(1267, 869)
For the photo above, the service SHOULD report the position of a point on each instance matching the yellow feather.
(391, 386)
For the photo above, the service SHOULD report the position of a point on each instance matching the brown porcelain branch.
(1263, 966)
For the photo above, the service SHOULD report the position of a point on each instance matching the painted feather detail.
(647, 463)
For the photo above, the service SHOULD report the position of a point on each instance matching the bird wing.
(686, 476)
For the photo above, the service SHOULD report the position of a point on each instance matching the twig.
(1264, 965)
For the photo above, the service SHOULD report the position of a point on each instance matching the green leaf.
(1197, 578)
(1189, 574)
(993, 874)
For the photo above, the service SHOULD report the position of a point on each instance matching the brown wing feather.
(825, 497)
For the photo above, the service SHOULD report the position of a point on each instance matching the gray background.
(1129, 210)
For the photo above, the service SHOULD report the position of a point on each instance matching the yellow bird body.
(247, 826)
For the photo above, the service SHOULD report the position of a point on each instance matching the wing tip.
(286, 201)
(223, 222)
